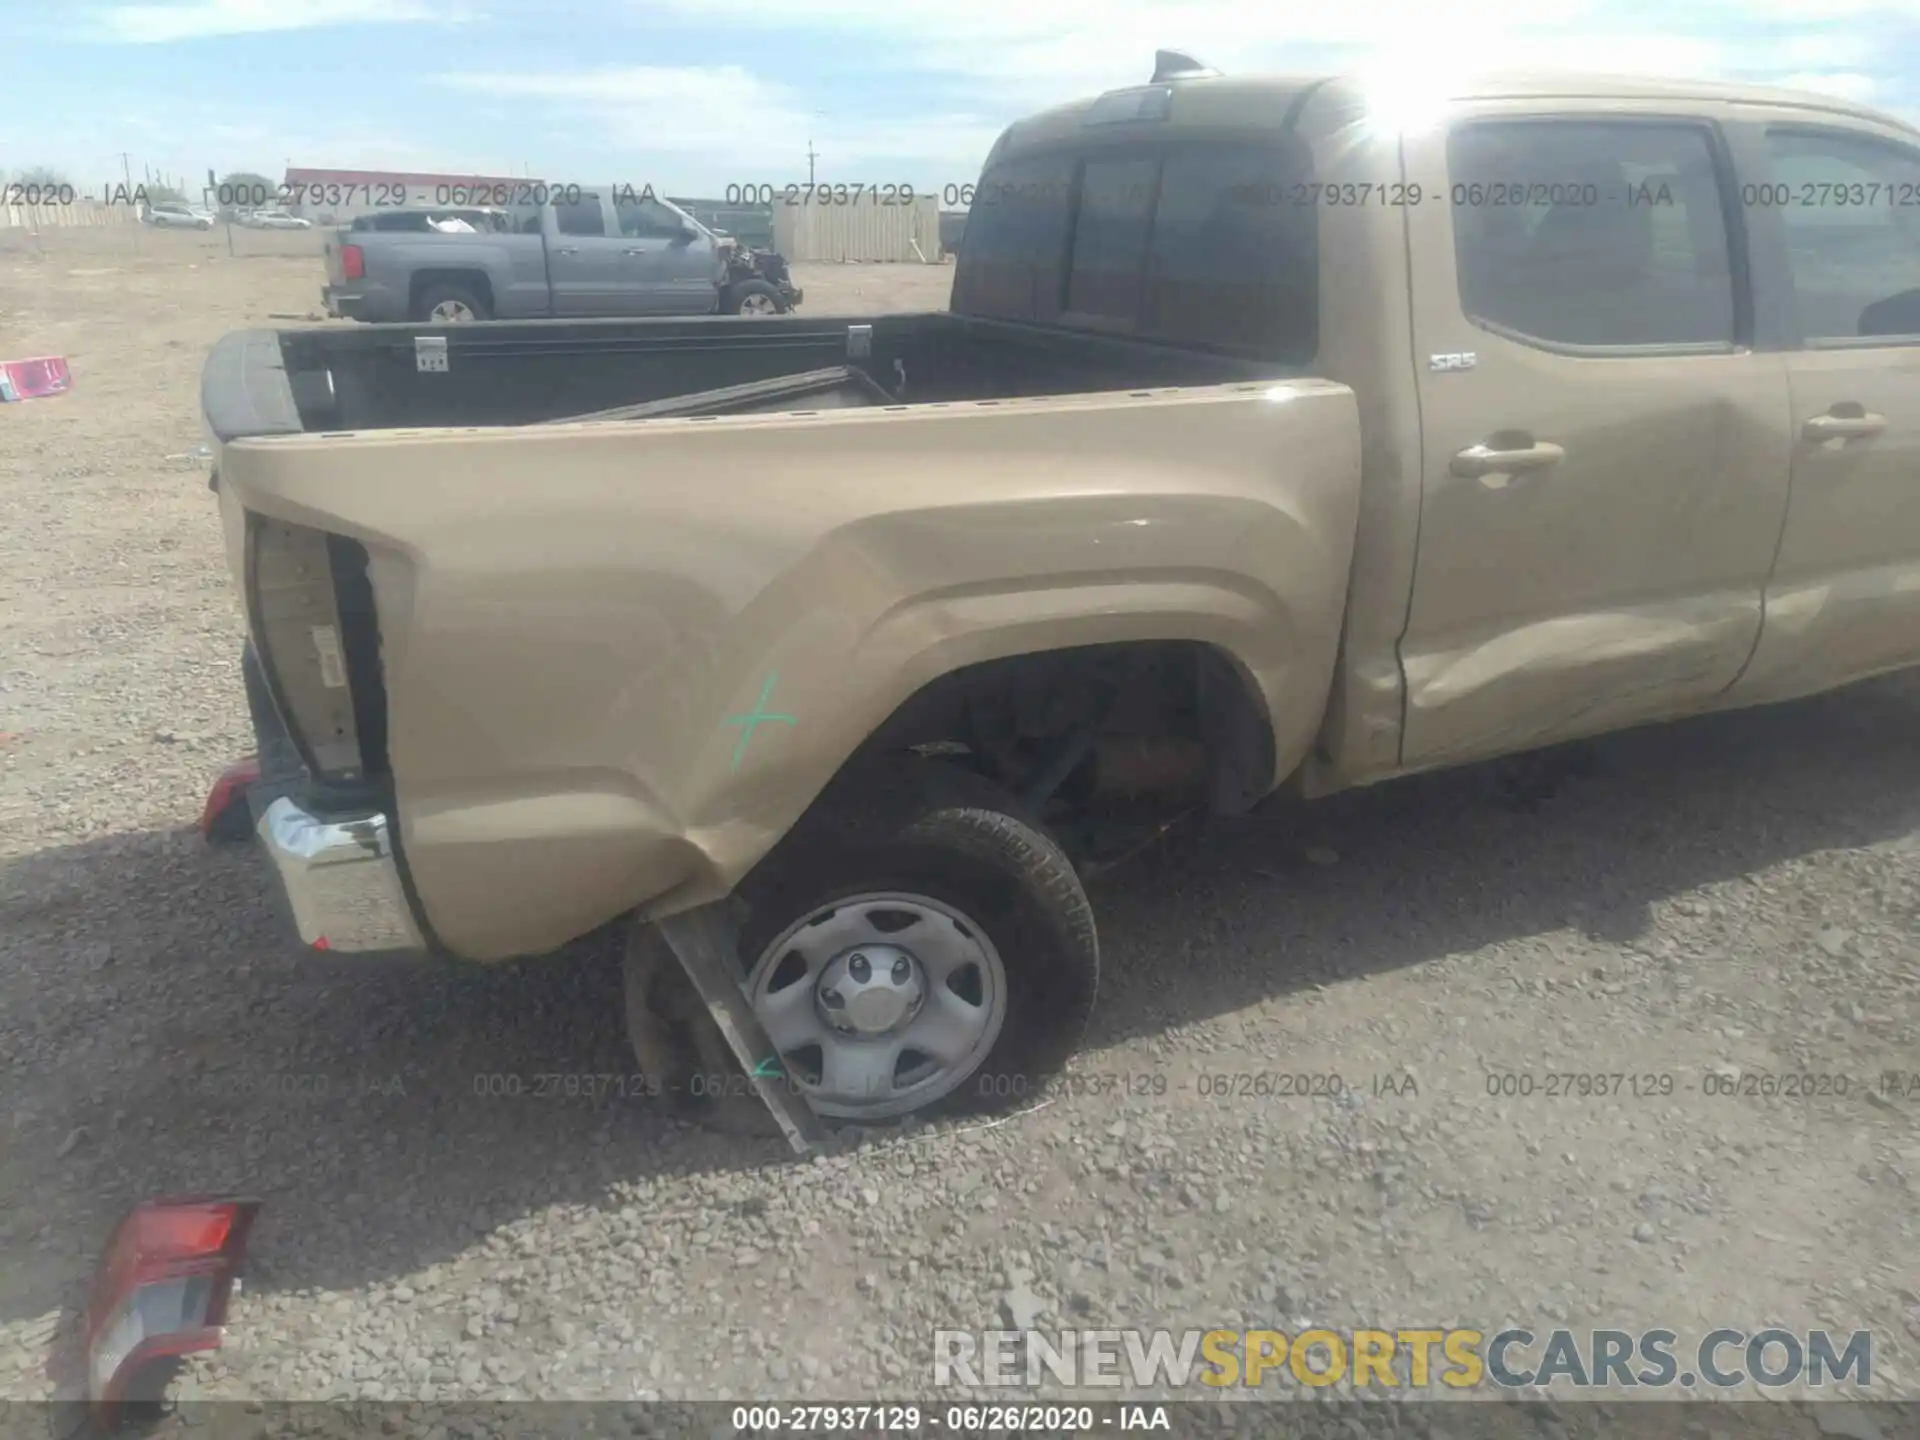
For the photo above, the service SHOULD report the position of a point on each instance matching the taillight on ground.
(353, 262)
(161, 1289)
(226, 815)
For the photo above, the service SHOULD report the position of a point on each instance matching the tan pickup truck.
(1275, 439)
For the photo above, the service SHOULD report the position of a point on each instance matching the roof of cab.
(1255, 101)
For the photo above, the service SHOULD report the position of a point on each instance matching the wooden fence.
(81, 214)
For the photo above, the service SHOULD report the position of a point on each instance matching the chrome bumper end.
(341, 880)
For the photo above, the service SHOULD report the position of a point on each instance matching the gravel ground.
(1739, 894)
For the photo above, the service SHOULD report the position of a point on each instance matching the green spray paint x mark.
(767, 1069)
(757, 717)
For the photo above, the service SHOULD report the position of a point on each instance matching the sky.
(692, 96)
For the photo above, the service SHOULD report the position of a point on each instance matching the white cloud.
(1010, 57)
(940, 79)
(1824, 50)
(1020, 55)
(170, 20)
(1017, 55)
(1817, 10)
(1847, 84)
(708, 126)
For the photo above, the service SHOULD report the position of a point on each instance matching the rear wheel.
(449, 305)
(755, 297)
(918, 953)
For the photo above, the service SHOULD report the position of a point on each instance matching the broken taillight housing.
(161, 1289)
(225, 815)
(293, 608)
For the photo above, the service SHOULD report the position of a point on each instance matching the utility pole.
(811, 157)
(126, 173)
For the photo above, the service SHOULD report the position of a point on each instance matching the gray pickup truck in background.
(584, 252)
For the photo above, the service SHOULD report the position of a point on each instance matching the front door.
(1604, 455)
(667, 270)
(1837, 221)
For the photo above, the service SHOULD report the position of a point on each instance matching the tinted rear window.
(1110, 236)
(1235, 258)
(1198, 243)
(1015, 244)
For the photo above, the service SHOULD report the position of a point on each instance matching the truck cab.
(613, 251)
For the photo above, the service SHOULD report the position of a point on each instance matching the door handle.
(1491, 464)
(633, 252)
(567, 250)
(1844, 422)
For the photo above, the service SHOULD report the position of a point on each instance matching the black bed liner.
(526, 372)
(838, 387)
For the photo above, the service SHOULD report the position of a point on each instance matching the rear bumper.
(339, 869)
(342, 304)
(341, 879)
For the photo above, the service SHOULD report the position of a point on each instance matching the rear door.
(584, 260)
(1605, 452)
(665, 270)
(1835, 208)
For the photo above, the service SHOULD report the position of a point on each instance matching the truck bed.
(508, 373)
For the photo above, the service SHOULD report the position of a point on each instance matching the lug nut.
(858, 967)
(902, 971)
(833, 1001)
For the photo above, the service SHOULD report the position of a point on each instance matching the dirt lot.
(1734, 897)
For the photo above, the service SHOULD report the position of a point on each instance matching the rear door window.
(1592, 233)
(584, 216)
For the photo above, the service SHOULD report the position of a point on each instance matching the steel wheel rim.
(758, 305)
(904, 1034)
(451, 312)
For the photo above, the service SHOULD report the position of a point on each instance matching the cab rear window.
(1013, 252)
(1203, 244)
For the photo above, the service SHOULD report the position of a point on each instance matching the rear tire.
(920, 908)
(754, 297)
(449, 305)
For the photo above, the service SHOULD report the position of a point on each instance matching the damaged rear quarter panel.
(580, 622)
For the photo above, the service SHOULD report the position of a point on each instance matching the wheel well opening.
(473, 281)
(1141, 724)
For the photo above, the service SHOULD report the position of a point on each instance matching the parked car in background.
(177, 215)
(273, 220)
(583, 253)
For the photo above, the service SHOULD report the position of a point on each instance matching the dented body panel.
(570, 664)
(622, 658)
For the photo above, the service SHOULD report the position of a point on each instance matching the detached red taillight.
(226, 816)
(162, 1287)
(353, 262)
